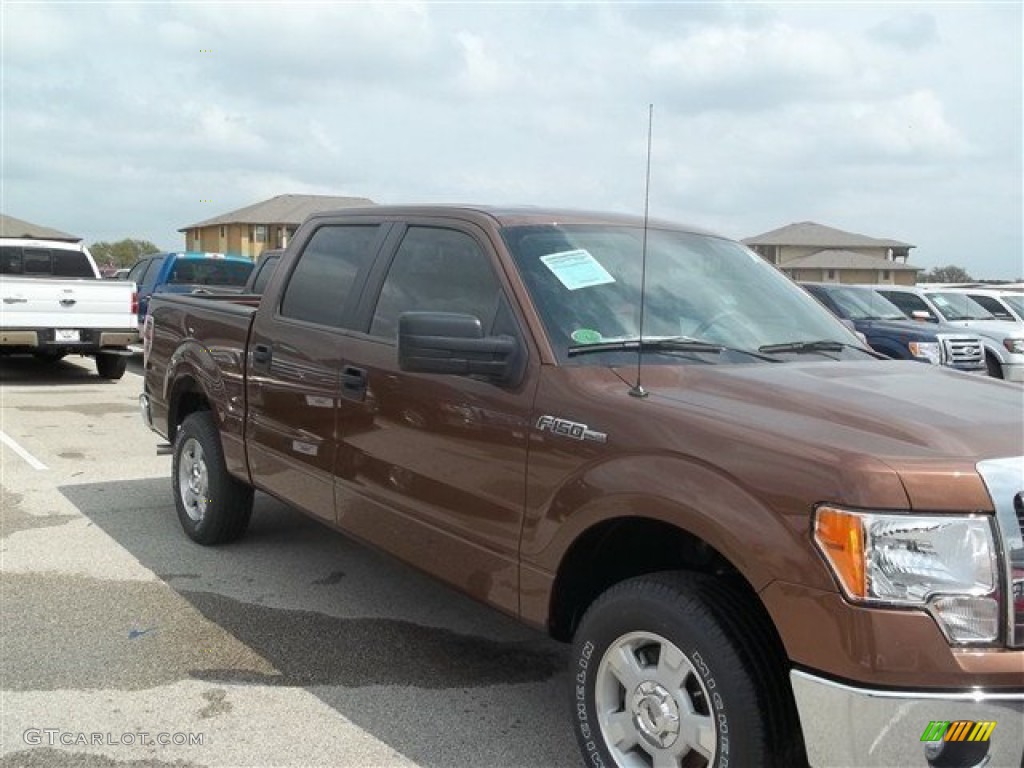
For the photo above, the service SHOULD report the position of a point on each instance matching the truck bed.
(189, 339)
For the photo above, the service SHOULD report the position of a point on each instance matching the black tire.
(213, 507)
(110, 366)
(728, 668)
(994, 368)
(956, 754)
(49, 356)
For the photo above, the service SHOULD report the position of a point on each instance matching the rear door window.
(322, 287)
(266, 271)
(994, 306)
(71, 264)
(136, 272)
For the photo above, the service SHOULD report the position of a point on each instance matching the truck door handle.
(353, 383)
(15, 300)
(68, 302)
(261, 354)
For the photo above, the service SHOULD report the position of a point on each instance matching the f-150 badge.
(567, 428)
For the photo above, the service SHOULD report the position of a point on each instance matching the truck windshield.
(864, 304)
(210, 272)
(959, 306)
(1015, 302)
(585, 282)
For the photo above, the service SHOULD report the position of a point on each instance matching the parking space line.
(31, 460)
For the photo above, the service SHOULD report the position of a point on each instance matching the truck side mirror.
(446, 342)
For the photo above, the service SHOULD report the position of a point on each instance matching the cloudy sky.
(896, 120)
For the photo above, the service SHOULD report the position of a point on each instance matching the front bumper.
(1013, 371)
(849, 726)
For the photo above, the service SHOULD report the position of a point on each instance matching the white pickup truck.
(53, 303)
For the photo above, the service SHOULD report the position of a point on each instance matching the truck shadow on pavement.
(22, 370)
(421, 667)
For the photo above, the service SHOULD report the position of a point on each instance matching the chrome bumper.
(848, 726)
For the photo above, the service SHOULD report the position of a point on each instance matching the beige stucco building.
(811, 252)
(269, 224)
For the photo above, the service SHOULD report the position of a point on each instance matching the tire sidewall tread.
(230, 502)
(686, 609)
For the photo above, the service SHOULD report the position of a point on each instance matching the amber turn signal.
(840, 537)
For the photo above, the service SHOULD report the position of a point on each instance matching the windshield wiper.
(805, 347)
(679, 344)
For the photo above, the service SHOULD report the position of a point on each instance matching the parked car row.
(969, 329)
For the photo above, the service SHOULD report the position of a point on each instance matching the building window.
(261, 233)
(831, 274)
(886, 276)
(223, 231)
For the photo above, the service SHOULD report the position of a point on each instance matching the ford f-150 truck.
(767, 546)
(187, 272)
(53, 303)
(895, 335)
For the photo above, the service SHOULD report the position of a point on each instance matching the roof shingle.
(809, 233)
(282, 209)
(839, 259)
(12, 227)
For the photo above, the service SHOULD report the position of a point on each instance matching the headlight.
(1014, 345)
(926, 350)
(944, 564)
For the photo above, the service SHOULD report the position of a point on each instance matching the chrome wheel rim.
(193, 480)
(652, 707)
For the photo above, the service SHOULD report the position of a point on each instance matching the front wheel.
(993, 367)
(213, 507)
(668, 673)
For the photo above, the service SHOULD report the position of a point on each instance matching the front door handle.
(15, 300)
(353, 383)
(261, 354)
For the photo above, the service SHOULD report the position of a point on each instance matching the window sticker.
(576, 269)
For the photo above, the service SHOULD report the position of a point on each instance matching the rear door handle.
(261, 354)
(353, 383)
(15, 300)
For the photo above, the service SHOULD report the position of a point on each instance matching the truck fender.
(703, 501)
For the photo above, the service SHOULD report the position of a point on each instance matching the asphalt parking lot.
(294, 646)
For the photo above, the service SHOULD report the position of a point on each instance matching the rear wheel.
(671, 671)
(213, 507)
(110, 366)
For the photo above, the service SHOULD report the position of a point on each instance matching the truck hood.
(992, 328)
(891, 410)
(909, 329)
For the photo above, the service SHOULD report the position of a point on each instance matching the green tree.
(123, 253)
(947, 274)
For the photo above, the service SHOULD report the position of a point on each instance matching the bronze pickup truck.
(767, 545)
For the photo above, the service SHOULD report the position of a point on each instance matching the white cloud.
(898, 121)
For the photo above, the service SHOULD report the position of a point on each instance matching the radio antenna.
(637, 389)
